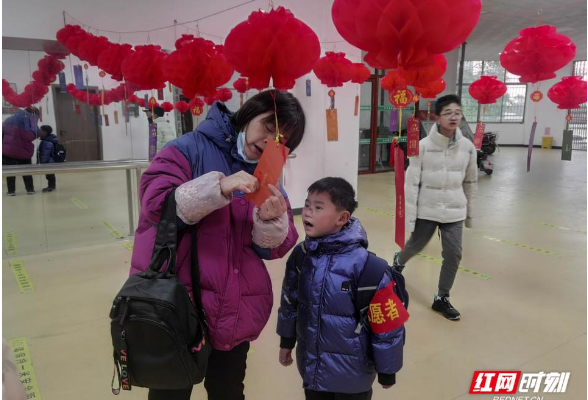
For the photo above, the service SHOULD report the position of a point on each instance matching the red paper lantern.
(196, 102)
(68, 31)
(183, 40)
(198, 67)
(432, 89)
(569, 93)
(51, 65)
(182, 106)
(167, 106)
(359, 73)
(272, 45)
(144, 67)
(141, 102)
(74, 42)
(241, 85)
(90, 49)
(333, 69)
(133, 98)
(223, 95)
(422, 76)
(408, 32)
(487, 89)
(210, 99)
(392, 80)
(43, 77)
(537, 53)
(110, 60)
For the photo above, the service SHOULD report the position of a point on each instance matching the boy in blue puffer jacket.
(46, 152)
(337, 356)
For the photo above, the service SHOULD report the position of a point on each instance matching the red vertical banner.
(41, 114)
(399, 181)
(106, 122)
(412, 138)
(356, 109)
(160, 94)
(479, 136)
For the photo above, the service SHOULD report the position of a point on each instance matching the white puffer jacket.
(165, 131)
(441, 181)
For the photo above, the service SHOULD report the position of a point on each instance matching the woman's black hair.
(291, 117)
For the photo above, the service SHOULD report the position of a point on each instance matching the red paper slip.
(412, 138)
(399, 181)
(268, 171)
(479, 136)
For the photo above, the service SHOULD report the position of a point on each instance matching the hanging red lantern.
(431, 89)
(182, 106)
(110, 60)
(405, 31)
(90, 49)
(51, 65)
(141, 102)
(536, 96)
(198, 68)
(196, 102)
(272, 45)
(209, 100)
(133, 98)
(241, 85)
(333, 69)
(487, 89)
(167, 106)
(569, 93)
(392, 80)
(537, 53)
(67, 32)
(183, 40)
(422, 76)
(223, 95)
(359, 73)
(144, 67)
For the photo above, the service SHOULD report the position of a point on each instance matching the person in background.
(440, 185)
(166, 132)
(46, 151)
(18, 134)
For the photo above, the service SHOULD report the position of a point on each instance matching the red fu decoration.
(569, 93)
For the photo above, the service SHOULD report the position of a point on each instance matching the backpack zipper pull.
(124, 314)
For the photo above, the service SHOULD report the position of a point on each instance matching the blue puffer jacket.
(317, 311)
(47, 148)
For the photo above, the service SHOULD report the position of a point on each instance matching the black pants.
(11, 180)
(51, 181)
(312, 395)
(224, 377)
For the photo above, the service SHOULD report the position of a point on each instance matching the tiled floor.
(530, 238)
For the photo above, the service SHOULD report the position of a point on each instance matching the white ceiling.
(501, 20)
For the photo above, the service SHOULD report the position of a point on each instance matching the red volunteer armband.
(386, 312)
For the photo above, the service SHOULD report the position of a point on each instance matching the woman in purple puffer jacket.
(211, 170)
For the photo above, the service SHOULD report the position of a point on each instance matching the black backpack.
(160, 337)
(59, 153)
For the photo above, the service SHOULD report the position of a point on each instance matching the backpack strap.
(369, 279)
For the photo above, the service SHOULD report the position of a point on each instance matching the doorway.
(78, 132)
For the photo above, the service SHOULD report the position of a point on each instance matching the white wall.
(548, 115)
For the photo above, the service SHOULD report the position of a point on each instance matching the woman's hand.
(240, 181)
(274, 206)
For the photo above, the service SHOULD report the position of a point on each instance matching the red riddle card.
(268, 171)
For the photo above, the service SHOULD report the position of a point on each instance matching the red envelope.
(268, 171)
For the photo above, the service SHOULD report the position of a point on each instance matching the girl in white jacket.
(439, 190)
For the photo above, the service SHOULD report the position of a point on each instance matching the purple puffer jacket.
(17, 142)
(236, 287)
